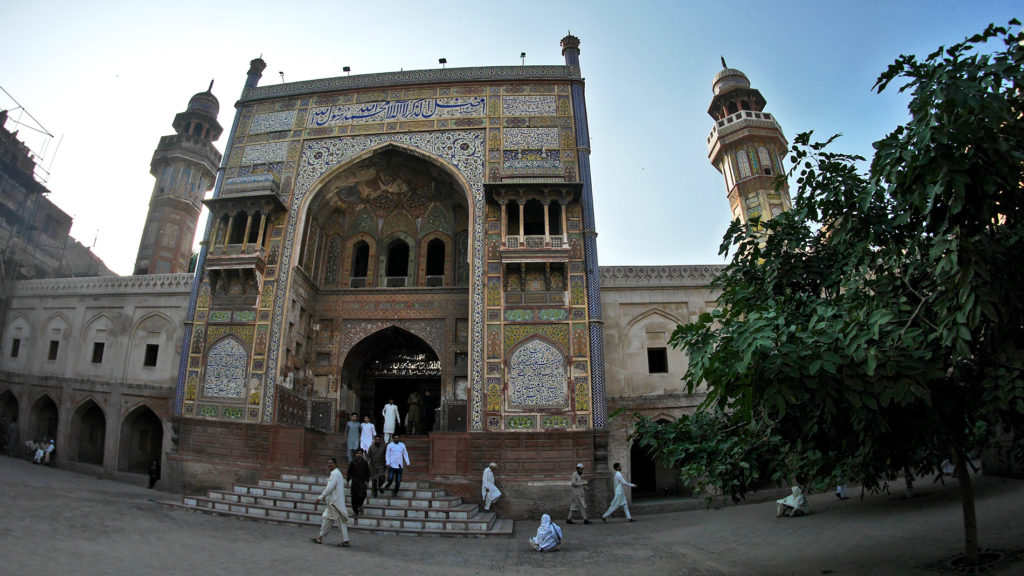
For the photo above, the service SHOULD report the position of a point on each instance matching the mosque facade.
(422, 236)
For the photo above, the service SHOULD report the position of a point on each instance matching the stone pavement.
(54, 521)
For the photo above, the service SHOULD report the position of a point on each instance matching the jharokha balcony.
(528, 248)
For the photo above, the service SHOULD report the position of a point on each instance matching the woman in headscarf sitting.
(548, 537)
(794, 504)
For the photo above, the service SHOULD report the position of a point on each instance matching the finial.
(210, 89)
(723, 61)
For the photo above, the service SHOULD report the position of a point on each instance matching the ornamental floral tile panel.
(225, 370)
(273, 122)
(528, 106)
(520, 422)
(529, 138)
(537, 375)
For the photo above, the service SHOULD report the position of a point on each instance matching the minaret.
(185, 166)
(747, 146)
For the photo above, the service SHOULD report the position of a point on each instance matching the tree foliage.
(877, 325)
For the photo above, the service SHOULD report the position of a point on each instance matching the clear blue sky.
(110, 77)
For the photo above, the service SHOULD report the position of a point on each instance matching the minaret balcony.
(761, 122)
(534, 249)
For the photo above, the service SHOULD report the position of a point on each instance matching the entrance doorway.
(90, 425)
(653, 479)
(394, 364)
(43, 420)
(142, 437)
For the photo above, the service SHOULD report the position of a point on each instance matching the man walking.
(620, 495)
(377, 455)
(358, 476)
(488, 491)
(352, 432)
(412, 417)
(579, 497)
(391, 419)
(397, 459)
(334, 496)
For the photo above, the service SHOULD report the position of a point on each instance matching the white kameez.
(367, 431)
(620, 496)
(391, 419)
(334, 496)
(489, 493)
(548, 536)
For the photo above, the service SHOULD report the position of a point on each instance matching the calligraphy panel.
(420, 109)
(537, 375)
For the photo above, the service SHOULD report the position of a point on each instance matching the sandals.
(316, 541)
(344, 544)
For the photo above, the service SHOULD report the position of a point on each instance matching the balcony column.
(504, 221)
(263, 228)
(565, 230)
(248, 226)
(227, 234)
(522, 211)
(547, 226)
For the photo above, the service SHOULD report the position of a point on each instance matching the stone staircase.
(418, 509)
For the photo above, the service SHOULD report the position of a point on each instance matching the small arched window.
(731, 107)
(743, 163)
(435, 257)
(744, 105)
(555, 218)
(533, 218)
(766, 161)
(360, 259)
(398, 259)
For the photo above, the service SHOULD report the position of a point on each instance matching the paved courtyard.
(54, 521)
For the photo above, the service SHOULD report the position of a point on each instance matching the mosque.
(407, 235)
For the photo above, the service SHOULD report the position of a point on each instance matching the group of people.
(418, 420)
(366, 470)
(549, 535)
(42, 452)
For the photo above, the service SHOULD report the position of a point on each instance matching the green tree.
(878, 327)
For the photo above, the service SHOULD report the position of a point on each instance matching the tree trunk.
(967, 503)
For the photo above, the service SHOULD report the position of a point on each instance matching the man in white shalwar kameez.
(488, 491)
(334, 496)
(366, 433)
(620, 495)
(391, 419)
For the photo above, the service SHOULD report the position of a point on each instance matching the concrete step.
(291, 499)
(483, 524)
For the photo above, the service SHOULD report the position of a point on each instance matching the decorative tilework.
(207, 411)
(354, 331)
(226, 365)
(579, 340)
(220, 316)
(520, 422)
(494, 315)
(579, 314)
(552, 314)
(243, 333)
(463, 151)
(516, 162)
(272, 122)
(494, 268)
(244, 315)
(555, 422)
(191, 385)
(204, 296)
(582, 421)
(580, 367)
(529, 138)
(265, 153)
(254, 413)
(493, 393)
(493, 368)
(519, 315)
(577, 297)
(494, 290)
(494, 342)
(423, 108)
(582, 387)
(528, 106)
(558, 333)
(494, 422)
(234, 413)
(537, 375)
